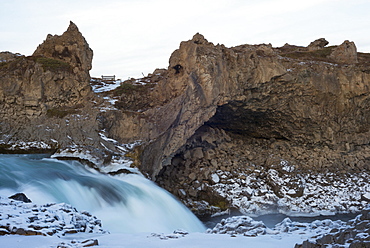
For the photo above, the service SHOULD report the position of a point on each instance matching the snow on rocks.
(239, 225)
(21, 218)
(316, 227)
(246, 226)
(98, 85)
(21, 145)
(355, 234)
(257, 193)
(322, 233)
(366, 196)
(78, 152)
(95, 157)
(78, 244)
(179, 233)
(215, 178)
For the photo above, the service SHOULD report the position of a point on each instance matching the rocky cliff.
(289, 95)
(253, 108)
(215, 114)
(46, 101)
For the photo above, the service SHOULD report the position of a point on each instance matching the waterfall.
(128, 203)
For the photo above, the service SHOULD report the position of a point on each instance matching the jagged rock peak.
(345, 53)
(199, 39)
(72, 27)
(317, 44)
(70, 47)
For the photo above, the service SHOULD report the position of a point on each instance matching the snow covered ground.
(52, 223)
(147, 240)
(58, 219)
(99, 86)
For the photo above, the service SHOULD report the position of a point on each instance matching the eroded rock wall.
(307, 107)
(308, 98)
(46, 101)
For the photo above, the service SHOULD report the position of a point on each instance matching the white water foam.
(128, 204)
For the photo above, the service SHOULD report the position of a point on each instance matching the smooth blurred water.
(128, 204)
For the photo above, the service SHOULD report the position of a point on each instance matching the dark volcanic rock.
(20, 197)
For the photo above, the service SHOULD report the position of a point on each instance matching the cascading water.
(129, 203)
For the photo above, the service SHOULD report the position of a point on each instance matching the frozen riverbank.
(235, 232)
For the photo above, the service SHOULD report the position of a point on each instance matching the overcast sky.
(131, 37)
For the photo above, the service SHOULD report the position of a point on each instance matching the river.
(128, 203)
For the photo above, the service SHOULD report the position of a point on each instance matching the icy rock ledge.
(354, 235)
(246, 226)
(17, 217)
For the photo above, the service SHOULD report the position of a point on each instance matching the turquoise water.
(128, 204)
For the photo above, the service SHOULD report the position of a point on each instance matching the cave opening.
(239, 118)
(177, 68)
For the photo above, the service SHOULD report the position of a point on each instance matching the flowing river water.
(128, 203)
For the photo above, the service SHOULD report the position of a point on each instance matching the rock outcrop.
(214, 108)
(51, 78)
(345, 53)
(304, 98)
(46, 101)
(20, 218)
(247, 108)
(317, 44)
(70, 47)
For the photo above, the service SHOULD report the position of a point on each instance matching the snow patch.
(21, 218)
(215, 178)
(99, 86)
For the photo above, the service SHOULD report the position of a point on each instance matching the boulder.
(346, 53)
(20, 197)
(317, 44)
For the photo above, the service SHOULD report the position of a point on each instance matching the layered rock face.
(247, 110)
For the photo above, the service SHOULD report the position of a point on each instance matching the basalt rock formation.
(45, 99)
(291, 95)
(231, 109)
(244, 108)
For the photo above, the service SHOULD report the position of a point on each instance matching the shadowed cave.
(238, 118)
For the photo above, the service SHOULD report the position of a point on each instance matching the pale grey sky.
(131, 37)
